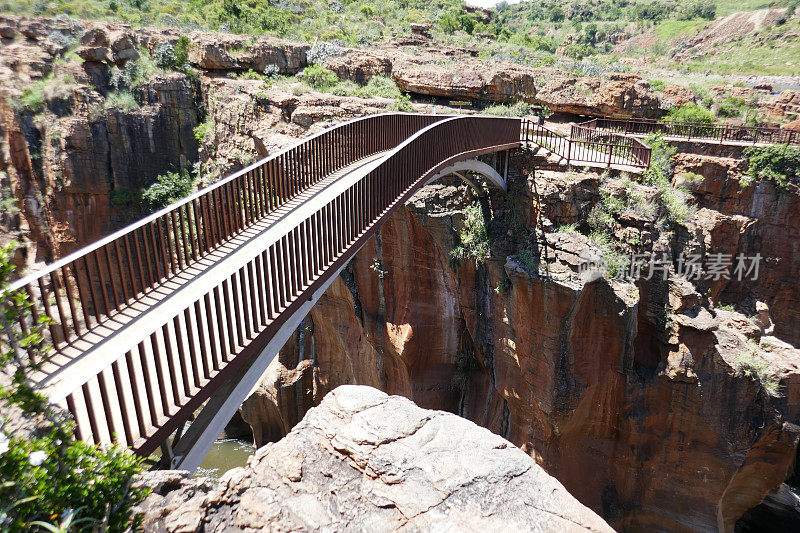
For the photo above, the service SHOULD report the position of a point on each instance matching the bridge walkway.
(164, 380)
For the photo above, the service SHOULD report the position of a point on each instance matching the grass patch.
(751, 365)
(122, 100)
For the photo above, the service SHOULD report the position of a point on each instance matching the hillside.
(698, 36)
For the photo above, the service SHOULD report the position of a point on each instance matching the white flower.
(3, 443)
(37, 458)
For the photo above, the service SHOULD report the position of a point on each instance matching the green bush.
(752, 366)
(122, 197)
(168, 188)
(519, 109)
(778, 164)
(120, 100)
(731, 107)
(33, 98)
(657, 85)
(473, 236)
(319, 77)
(449, 23)
(660, 173)
(204, 130)
(689, 112)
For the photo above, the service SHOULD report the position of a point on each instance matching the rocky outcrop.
(363, 460)
(617, 94)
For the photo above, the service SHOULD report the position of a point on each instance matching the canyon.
(632, 395)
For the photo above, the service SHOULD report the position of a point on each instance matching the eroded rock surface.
(366, 461)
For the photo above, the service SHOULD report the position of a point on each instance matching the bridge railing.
(144, 392)
(602, 147)
(696, 130)
(89, 286)
(588, 145)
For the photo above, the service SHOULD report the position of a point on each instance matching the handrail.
(696, 130)
(88, 286)
(584, 145)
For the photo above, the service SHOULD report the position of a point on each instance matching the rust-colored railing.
(150, 374)
(608, 148)
(696, 130)
(586, 145)
(88, 287)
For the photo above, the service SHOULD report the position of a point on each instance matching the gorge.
(660, 404)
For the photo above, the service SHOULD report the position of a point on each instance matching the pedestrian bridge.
(162, 329)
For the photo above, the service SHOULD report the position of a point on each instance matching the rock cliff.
(366, 461)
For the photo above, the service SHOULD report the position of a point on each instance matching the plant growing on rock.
(168, 188)
(660, 173)
(752, 366)
(319, 77)
(473, 236)
(689, 112)
(321, 51)
(778, 164)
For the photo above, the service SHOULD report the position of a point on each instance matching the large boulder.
(366, 461)
(618, 93)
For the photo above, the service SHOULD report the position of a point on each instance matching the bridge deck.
(129, 331)
(230, 272)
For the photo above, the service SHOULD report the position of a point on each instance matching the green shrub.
(689, 112)
(752, 366)
(660, 173)
(519, 109)
(122, 197)
(204, 130)
(120, 100)
(367, 10)
(449, 23)
(778, 164)
(319, 77)
(657, 85)
(731, 107)
(168, 188)
(403, 103)
(32, 98)
(473, 236)
(615, 262)
(578, 51)
(379, 86)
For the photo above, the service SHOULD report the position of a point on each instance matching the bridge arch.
(461, 168)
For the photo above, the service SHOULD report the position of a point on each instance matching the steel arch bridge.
(184, 310)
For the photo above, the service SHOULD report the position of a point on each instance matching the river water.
(224, 455)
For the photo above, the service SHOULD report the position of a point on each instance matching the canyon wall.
(628, 394)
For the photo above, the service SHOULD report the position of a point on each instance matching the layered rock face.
(631, 395)
(366, 461)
